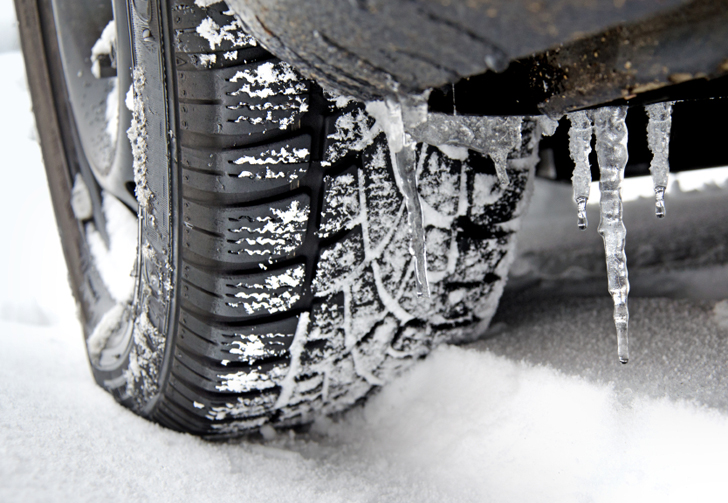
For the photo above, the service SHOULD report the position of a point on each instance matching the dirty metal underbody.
(548, 56)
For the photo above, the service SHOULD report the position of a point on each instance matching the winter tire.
(271, 279)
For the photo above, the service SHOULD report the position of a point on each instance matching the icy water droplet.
(582, 222)
(660, 202)
(580, 135)
(658, 139)
(454, 103)
(622, 340)
(611, 133)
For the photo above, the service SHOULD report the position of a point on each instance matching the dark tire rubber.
(274, 280)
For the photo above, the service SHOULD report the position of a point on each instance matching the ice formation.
(580, 136)
(406, 122)
(611, 133)
(658, 138)
(495, 137)
(81, 203)
(548, 125)
(405, 173)
(397, 119)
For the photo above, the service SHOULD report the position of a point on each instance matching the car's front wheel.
(261, 273)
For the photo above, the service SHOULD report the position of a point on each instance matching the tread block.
(264, 376)
(505, 206)
(477, 259)
(221, 407)
(439, 181)
(382, 195)
(246, 344)
(340, 210)
(208, 29)
(244, 296)
(250, 234)
(344, 131)
(206, 61)
(176, 418)
(339, 263)
(272, 81)
(249, 170)
(216, 119)
(186, 14)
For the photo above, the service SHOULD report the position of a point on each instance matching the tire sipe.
(271, 279)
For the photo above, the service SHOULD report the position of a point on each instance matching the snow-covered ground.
(538, 410)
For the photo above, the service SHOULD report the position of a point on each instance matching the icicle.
(658, 138)
(405, 122)
(581, 220)
(495, 137)
(454, 103)
(548, 125)
(501, 142)
(580, 135)
(611, 133)
(399, 117)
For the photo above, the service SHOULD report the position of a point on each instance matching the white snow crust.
(538, 411)
(495, 430)
(207, 60)
(9, 40)
(257, 297)
(216, 34)
(265, 81)
(81, 203)
(244, 381)
(106, 327)
(453, 152)
(284, 230)
(260, 80)
(250, 348)
(137, 134)
(115, 263)
(275, 157)
(103, 46)
(112, 112)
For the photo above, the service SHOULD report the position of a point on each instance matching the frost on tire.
(367, 323)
